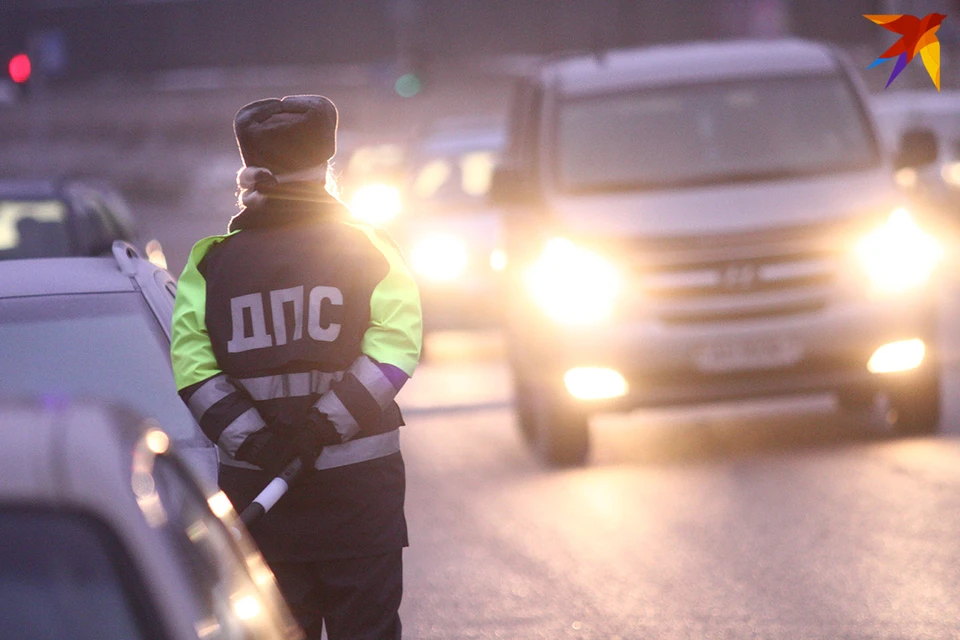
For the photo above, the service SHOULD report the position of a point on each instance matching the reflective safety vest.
(296, 307)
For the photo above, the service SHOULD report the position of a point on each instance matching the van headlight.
(899, 256)
(376, 203)
(573, 285)
(950, 172)
(441, 257)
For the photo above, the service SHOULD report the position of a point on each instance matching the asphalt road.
(781, 519)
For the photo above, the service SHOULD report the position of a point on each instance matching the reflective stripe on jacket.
(274, 318)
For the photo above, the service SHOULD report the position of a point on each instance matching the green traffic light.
(407, 85)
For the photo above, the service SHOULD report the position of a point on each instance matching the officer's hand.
(268, 450)
(313, 435)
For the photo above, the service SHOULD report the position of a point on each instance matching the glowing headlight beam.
(376, 203)
(902, 355)
(157, 441)
(899, 255)
(247, 607)
(951, 173)
(498, 259)
(220, 504)
(441, 257)
(573, 285)
(595, 383)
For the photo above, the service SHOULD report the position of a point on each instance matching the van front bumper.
(672, 364)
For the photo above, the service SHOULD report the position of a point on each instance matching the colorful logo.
(916, 35)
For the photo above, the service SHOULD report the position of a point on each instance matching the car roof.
(53, 187)
(30, 188)
(119, 272)
(58, 276)
(917, 101)
(462, 141)
(897, 111)
(688, 63)
(455, 134)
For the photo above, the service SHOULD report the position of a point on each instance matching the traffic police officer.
(292, 334)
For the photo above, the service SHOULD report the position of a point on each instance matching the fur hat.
(292, 135)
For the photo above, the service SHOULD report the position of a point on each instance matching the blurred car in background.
(430, 194)
(373, 178)
(449, 231)
(44, 218)
(100, 327)
(900, 113)
(709, 222)
(108, 534)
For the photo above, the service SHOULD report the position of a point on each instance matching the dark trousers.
(357, 598)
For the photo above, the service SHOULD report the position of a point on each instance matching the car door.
(233, 592)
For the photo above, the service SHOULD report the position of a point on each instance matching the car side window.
(33, 229)
(110, 221)
(476, 172)
(107, 224)
(64, 574)
(94, 230)
(431, 178)
(230, 603)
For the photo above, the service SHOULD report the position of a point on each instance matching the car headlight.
(573, 285)
(246, 606)
(899, 255)
(376, 203)
(950, 172)
(439, 256)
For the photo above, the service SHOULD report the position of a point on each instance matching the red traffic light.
(19, 68)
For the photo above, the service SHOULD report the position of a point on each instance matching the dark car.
(449, 232)
(108, 534)
(96, 327)
(43, 218)
(430, 194)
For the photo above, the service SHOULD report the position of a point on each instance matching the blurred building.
(97, 36)
(143, 92)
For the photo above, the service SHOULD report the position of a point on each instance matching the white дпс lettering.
(260, 338)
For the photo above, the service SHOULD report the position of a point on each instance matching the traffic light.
(408, 85)
(20, 68)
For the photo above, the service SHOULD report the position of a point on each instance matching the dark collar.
(289, 205)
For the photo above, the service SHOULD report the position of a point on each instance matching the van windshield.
(711, 133)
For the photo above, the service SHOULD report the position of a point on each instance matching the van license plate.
(741, 355)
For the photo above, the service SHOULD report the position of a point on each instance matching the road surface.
(780, 519)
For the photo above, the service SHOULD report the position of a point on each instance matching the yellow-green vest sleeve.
(190, 350)
(395, 335)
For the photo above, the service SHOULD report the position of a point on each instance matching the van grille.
(744, 276)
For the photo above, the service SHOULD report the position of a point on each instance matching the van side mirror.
(510, 185)
(918, 148)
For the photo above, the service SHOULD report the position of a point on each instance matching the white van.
(900, 113)
(704, 222)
